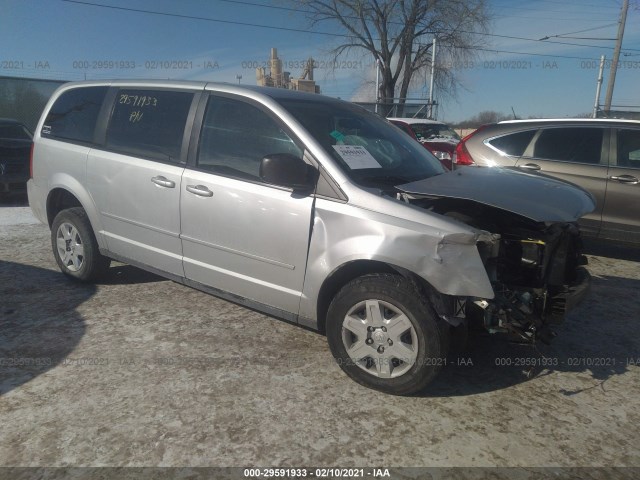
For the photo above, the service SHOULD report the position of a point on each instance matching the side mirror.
(287, 170)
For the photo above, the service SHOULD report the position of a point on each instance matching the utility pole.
(377, 83)
(598, 87)
(433, 72)
(616, 56)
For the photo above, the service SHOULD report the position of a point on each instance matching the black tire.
(72, 227)
(396, 296)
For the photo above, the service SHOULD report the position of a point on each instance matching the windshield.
(371, 151)
(14, 131)
(432, 131)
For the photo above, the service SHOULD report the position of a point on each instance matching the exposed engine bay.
(535, 268)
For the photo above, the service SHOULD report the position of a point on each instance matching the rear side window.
(629, 148)
(73, 116)
(513, 144)
(572, 144)
(149, 123)
(433, 131)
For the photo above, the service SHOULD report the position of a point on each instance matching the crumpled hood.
(532, 195)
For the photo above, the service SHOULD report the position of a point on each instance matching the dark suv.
(602, 156)
(15, 146)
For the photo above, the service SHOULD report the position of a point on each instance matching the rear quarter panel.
(62, 165)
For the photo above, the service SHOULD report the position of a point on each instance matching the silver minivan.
(309, 209)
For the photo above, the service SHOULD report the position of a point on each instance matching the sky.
(222, 40)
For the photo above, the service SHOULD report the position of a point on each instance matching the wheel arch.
(60, 199)
(67, 192)
(357, 268)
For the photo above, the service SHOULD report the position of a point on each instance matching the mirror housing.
(287, 170)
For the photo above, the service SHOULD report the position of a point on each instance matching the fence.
(631, 113)
(412, 108)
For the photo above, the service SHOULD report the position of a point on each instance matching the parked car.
(405, 127)
(602, 156)
(439, 138)
(15, 146)
(307, 208)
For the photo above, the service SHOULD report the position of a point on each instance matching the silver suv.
(310, 209)
(602, 156)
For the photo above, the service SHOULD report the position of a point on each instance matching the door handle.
(530, 166)
(163, 182)
(625, 179)
(199, 190)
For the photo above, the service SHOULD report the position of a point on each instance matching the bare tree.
(399, 33)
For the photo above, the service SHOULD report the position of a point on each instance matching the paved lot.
(140, 371)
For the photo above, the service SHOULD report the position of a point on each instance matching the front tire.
(384, 334)
(75, 247)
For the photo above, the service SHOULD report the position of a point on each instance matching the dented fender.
(440, 250)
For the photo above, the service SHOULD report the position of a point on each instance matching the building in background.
(277, 77)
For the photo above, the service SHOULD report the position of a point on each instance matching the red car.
(437, 137)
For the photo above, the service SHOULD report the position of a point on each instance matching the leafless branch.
(398, 33)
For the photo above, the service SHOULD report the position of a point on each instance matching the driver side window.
(236, 136)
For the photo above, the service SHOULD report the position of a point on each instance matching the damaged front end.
(537, 276)
(535, 266)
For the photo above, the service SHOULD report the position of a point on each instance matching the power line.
(590, 29)
(208, 19)
(491, 50)
(551, 18)
(256, 4)
(562, 35)
(577, 5)
(600, 39)
(297, 30)
(544, 39)
(546, 10)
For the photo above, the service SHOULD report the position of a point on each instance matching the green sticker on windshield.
(337, 135)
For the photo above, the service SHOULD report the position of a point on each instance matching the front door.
(239, 234)
(621, 214)
(576, 154)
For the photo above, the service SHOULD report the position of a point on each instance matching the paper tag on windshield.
(356, 157)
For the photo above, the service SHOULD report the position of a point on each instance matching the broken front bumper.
(565, 301)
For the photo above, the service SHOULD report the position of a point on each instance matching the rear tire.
(75, 247)
(385, 336)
